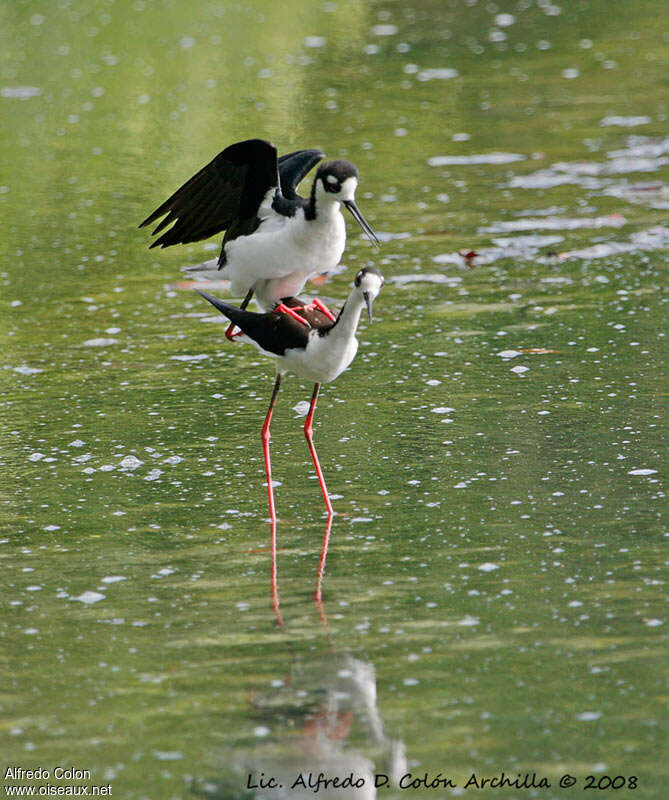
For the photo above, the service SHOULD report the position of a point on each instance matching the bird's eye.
(332, 183)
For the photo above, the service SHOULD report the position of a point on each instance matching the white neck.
(347, 323)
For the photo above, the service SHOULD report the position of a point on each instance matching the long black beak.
(355, 211)
(368, 300)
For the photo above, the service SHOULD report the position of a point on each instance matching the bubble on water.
(570, 73)
(504, 20)
(488, 566)
(173, 460)
(314, 41)
(113, 578)
(89, 597)
(384, 30)
(28, 370)
(168, 755)
(77, 443)
(642, 472)
(588, 716)
(51, 528)
(527, 242)
(468, 621)
(20, 92)
(509, 353)
(187, 42)
(410, 681)
(519, 370)
(624, 122)
(442, 410)
(441, 74)
(261, 731)
(655, 238)
(301, 408)
(653, 622)
(478, 158)
(100, 342)
(197, 357)
(428, 277)
(554, 223)
(130, 462)
(153, 475)
(35, 456)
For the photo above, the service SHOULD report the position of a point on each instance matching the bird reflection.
(324, 721)
(274, 581)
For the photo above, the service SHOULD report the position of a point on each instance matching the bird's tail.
(234, 314)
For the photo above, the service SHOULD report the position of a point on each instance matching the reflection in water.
(274, 581)
(324, 721)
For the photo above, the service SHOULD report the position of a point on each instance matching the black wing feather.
(230, 187)
(274, 331)
(293, 167)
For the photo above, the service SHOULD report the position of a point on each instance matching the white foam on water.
(480, 158)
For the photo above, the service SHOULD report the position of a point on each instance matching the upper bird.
(275, 240)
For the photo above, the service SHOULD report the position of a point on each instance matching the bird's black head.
(365, 271)
(369, 282)
(336, 182)
(332, 174)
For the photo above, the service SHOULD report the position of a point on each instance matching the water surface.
(493, 598)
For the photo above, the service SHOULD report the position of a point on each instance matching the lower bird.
(309, 341)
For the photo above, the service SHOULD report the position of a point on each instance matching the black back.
(275, 331)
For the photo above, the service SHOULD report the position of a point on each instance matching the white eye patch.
(331, 179)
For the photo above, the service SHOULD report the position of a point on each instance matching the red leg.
(274, 581)
(309, 433)
(229, 332)
(284, 309)
(321, 567)
(270, 494)
(265, 446)
(320, 305)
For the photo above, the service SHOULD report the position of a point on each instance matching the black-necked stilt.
(314, 345)
(251, 194)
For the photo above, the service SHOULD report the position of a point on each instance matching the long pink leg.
(321, 566)
(270, 494)
(309, 433)
(231, 327)
(265, 446)
(274, 580)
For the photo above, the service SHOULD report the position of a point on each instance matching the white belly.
(283, 253)
(326, 360)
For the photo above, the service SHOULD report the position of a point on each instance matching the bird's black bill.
(355, 211)
(368, 301)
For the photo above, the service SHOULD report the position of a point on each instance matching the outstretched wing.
(293, 167)
(230, 187)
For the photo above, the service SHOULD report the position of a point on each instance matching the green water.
(494, 592)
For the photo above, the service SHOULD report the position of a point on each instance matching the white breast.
(324, 359)
(285, 251)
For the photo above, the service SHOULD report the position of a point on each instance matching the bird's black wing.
(293, 167)
(229, 188)
(275, 331)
